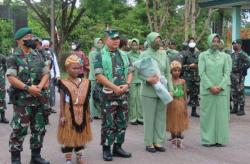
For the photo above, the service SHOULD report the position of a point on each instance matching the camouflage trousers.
(2, 97)
(22, 118)
(237, 91)
(52, 92)
(193, 92)
(114, 119)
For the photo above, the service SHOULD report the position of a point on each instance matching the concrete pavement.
(236, 152)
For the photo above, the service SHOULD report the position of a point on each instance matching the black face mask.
(46, 49)
(29, 43)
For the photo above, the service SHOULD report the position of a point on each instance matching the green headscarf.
(212, 46)
(151, 40)
(96, 43)
(134, 40)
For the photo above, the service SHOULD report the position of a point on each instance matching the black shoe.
(140, 122)
(219, 145)
(3, 118)
(15, 157)
(107, 156)
(160, 148)
(36, 157)
(208, 145)
(195, 115)
(150, 149)
(235, 109)
(52, 111)
(96, 118)
(119, 152)
(241, 113)
(134, 123)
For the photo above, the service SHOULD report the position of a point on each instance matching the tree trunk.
(155, 7)
(148, 15)
(206, 24)
(186, 22)
(193, 18)
(218, 25)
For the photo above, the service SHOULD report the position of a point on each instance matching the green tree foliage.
(6, 36)
(131, 21)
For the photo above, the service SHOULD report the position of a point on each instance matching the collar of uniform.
(20, 52)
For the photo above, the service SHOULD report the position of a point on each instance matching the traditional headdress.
(175, 64)
(72, 59)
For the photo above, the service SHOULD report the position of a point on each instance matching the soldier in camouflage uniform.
(190, 73)
(240, 64)
(28, 74)
(2, 89)
(114, 72)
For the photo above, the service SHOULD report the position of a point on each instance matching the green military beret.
(239, 41)
(22, 32)
(112, 33)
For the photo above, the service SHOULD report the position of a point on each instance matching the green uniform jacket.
(134, 56)
(29, 69)
(214, 70)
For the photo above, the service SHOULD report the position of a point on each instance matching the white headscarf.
(45, 42)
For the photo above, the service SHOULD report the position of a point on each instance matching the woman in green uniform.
(214, 73)
(135, 108)
(154, 110)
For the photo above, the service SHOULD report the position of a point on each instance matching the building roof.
(223, 3)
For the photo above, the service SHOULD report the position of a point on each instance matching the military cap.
(239, 41)
(22, 32)
(112, 33)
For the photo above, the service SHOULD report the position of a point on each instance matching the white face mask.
(73, 47)
(192, 44)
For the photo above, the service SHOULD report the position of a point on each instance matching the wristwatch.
(26, 88)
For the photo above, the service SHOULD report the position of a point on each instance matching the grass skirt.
(68, 136)
(177, 116)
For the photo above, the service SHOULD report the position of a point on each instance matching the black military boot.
(241, 112)
(235, 109)
(15, 157)
(107, 156)
(119, 152)
(36, 157)
(3, 119)
(194, 113)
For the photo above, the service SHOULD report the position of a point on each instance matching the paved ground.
(236, 152)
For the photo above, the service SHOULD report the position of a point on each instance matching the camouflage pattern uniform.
(192, 79)
(46, 56)
(28, 110)
(114, 108)
(2, 83)
(240, 64)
